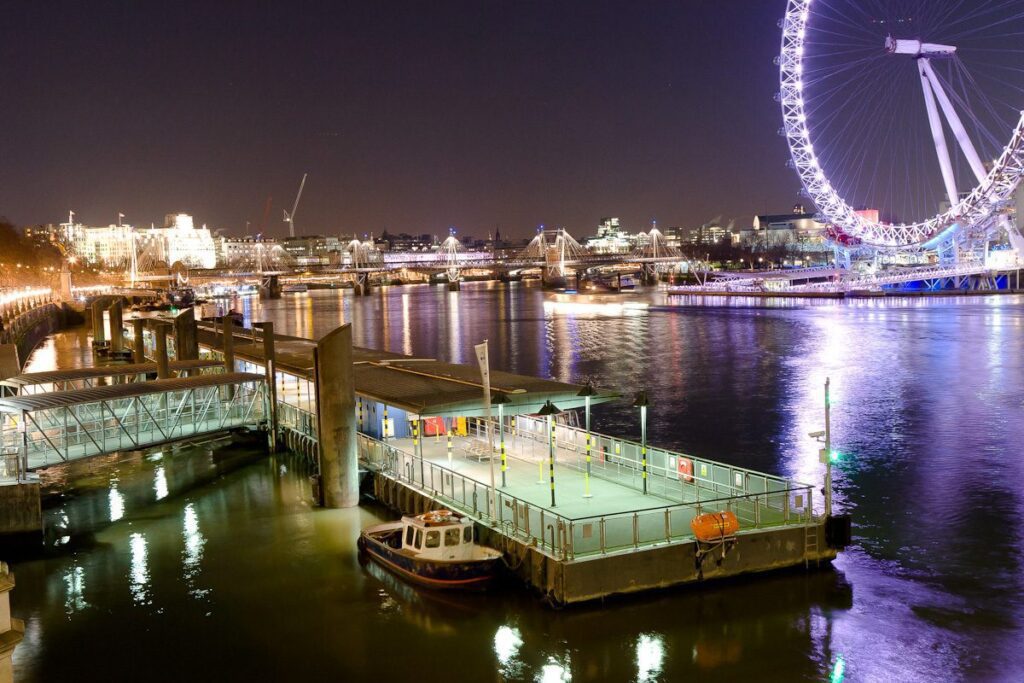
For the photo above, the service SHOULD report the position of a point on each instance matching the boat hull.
(465, 575)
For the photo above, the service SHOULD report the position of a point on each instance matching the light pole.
(549, 411)
(828, 449)
(587, 392)
(641, 402)
(500, 400)
(826, 455)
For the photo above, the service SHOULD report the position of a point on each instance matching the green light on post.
(833, 456)
(838, 670)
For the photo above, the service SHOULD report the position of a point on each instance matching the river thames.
(193, 564)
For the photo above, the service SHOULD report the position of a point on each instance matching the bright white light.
(507, 642)
(160, 483)
(140, 569)
(650, 657)
(116, 504)
(554, 672)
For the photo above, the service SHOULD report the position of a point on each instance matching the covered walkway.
(46, 429)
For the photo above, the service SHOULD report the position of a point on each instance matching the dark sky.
(407, 115)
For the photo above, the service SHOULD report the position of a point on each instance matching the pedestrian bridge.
(47, 429)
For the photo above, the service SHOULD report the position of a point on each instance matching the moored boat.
(436, 549)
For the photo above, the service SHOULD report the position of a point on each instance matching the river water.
(196, 563)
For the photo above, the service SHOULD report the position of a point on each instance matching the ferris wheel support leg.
(955, 123)
(937, 133)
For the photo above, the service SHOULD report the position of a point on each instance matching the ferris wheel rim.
(980, 203)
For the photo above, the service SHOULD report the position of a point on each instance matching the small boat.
(436, 549)
(295, 289)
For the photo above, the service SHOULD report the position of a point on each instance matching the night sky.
(409, 116)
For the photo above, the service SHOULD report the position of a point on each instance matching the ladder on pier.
(811, 544)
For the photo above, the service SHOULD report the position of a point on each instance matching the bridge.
(554, 254)
(829, 280)
(39, 430)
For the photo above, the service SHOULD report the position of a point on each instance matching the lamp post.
(587, 392)
(641, 402)
(500, 400)
(549, 411)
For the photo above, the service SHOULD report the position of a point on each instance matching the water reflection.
(74, 586)
(139, 575)
(556, 670)
(650, 656)
(507, 641)
(193, 553)
(116, 502)
(160, 483)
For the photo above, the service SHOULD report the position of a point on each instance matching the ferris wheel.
(904, 117)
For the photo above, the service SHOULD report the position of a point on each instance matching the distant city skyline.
(406, 117)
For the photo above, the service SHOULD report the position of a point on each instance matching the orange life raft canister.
(714, 526)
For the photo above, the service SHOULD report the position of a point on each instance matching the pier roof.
(423, 386)
(97, 371)
(432, 388)
(109, 392)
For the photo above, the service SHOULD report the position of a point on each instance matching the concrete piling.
(336, 407)
(163, 370)
(139, 341)
(116, 327)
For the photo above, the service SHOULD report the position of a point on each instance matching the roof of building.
(63, 399)
(97, 371)
(433, 388)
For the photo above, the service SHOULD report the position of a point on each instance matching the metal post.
(270, 360)
(828, 450)
(551, 457)
(501, 442)
(643, 443)
(449, 434)
(586, 478)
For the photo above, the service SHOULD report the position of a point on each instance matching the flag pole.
(485, 375)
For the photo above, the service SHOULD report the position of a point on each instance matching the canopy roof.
(431, 388)
(64, 399)
(97, 371)
(422, 386)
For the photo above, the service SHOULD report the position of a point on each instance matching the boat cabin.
(438, 535)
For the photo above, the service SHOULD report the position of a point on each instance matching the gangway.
(56, 427)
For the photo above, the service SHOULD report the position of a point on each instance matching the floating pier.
(578, 515)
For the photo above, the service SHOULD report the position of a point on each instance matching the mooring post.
(116, 327)
(139, 343)
(270, 358)
(336, 411)
(163, 367)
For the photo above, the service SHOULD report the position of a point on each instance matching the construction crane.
(289, 217)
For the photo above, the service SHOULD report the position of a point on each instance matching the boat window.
(467, 534)
(419, 539)
(409, 533)
(433, 539)
(451, 536)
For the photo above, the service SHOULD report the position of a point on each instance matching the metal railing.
(568, 537)
(619, 461)
(52, 435)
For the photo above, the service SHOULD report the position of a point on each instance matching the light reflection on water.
(925, 394)
(139, 579)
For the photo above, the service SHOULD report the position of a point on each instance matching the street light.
(500, 400)
(641, 402)
(549, 411)
(587, 392)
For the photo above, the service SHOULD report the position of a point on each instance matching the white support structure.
(938, 136)
(973, 158)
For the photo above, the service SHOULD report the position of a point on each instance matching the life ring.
(437, 516)
(684, 469)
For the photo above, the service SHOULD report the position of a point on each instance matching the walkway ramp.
(46, 429)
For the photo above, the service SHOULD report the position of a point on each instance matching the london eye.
(904, 119)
